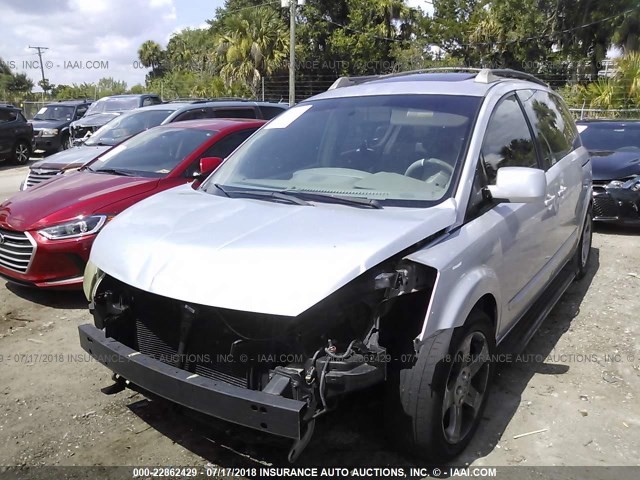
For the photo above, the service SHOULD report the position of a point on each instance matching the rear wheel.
(436, 404)
(583, 252)
(21, 152)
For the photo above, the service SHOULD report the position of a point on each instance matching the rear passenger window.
(195, 114)
(8, 116)
(270, 112)
(507, 142)
(234, 113)
(151, 101)
(553, 125)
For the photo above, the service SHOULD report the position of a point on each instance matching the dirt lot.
(580, 381)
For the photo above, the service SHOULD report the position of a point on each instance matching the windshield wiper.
(114, 171)
(338, 199)
(261, 194)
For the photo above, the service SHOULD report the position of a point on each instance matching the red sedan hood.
(69, 196)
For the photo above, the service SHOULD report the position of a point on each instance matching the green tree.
(627, 33)
(191, 49)
(253, 44)
(137, 89)
(110, 86)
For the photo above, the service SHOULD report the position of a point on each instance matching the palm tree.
(628, 76)
(390, 10)
(254, 43)
(150, 54)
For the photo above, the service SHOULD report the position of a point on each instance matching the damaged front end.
(269, 372)
(617, 201)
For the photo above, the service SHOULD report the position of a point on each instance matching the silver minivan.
(394, 231)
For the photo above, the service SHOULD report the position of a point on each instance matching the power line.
(497, 42)
(226, 12)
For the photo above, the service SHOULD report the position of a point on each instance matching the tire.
(418, 418)
(21, 152)
(65, 142)
(583, 252)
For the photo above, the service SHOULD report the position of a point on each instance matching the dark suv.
(51, 124)
(16, 135)
(107, 108)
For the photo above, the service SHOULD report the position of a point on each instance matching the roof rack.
(228, 99)
(488, 75)
(188, 100)
(483, 75)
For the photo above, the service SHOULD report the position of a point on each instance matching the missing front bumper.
(250, 408)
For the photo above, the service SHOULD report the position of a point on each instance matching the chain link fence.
(604, 113)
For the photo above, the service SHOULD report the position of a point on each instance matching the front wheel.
(435, 405)
(21, 153)
(583, 252)
(65, 143)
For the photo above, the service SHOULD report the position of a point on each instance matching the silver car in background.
(394, 230)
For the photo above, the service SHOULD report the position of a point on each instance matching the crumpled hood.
(96, 120)
(614, 165)
(74, 157)
(254, 255)
(68, 196)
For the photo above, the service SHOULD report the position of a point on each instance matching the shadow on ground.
(353, 435)
(613, 229)
(9, 165)
(61, 299)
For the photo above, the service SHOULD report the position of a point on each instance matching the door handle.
(550, 200)
(561, 191)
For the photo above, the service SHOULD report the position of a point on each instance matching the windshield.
(610, 137)
(154, 153)
(55, 112)
(113, 104)
(402, 150)
(126, 126)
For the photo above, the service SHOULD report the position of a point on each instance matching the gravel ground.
(577, 382)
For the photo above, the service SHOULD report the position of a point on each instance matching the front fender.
(456, 294)
(465, 260)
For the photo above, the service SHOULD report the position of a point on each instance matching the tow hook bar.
(299, 445)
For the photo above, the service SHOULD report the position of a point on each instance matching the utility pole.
(292, 46)
(40, 49)
(292, 53)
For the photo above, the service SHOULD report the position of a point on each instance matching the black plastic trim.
(254, 409)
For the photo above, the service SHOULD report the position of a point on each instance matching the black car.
(51, 124)
(107, 108)
(16, 135)
(615, 156)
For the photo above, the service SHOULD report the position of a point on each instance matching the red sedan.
(46, 232)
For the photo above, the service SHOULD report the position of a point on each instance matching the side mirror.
(519, 185)
(209, 164)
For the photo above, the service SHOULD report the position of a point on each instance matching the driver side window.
(507, 141)
(222, 149)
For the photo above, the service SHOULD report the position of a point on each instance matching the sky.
(88, 40)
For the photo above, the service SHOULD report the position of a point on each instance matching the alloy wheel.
(466, 387)
(22, 153)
